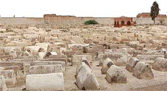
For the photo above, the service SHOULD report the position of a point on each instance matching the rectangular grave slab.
(18, 64)
(59, 66)
(53, 81)
(44, 69)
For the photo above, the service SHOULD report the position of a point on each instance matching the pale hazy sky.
(96, 8)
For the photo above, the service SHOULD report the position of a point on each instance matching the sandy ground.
(159, 83)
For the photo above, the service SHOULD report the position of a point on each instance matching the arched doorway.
(117, 22)
(128, 23)
(122, 23)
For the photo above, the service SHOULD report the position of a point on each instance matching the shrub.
(91, 22)
(161, 21)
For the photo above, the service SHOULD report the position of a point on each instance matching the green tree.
(154, 11)
(91, 22)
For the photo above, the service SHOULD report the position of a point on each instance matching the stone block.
(9, 75)
(53, 81)
(115, 75)
(131, 64)
(44, 69)
(143, 70)
(107, 63)
(85, 79)
(3, 86)
(160, 64)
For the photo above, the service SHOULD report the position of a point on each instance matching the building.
(145, 18)
(147, 15)
(123, 21)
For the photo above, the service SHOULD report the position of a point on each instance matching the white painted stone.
(53, 81)
(53, 53)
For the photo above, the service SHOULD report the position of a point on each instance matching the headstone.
(81, 75)
(142, 70)
(160, 64)
(107, 63)
(131, 64)
(85, 79)
(115, 75)
(91, 83)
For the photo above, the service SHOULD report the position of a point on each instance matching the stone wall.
(20, 21)
(75, 21)
(105, 20)
(144, 21)
(65, 21)
(55, 21)
(150, 21)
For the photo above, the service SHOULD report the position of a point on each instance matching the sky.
(83, 8)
